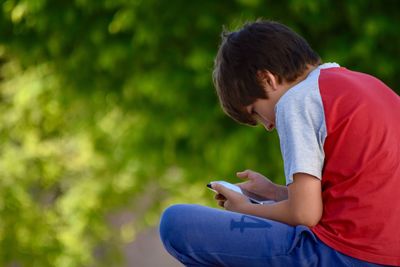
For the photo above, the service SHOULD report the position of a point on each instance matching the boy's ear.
(268, 80)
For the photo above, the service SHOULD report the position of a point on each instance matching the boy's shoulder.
(305, 92)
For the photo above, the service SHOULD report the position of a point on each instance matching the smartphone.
(253, 198)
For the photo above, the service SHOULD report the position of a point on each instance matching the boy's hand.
(257, 184)
(229, 199)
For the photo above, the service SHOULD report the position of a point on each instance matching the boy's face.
(263, 110)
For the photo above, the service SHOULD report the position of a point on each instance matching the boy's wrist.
(244, 207)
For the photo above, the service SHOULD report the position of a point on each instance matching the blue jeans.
(202, 236)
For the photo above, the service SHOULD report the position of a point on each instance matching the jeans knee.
(169, 223)
(176, 231)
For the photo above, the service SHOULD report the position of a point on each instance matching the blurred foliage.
(107, 106)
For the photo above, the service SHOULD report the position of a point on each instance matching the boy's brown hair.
(261, 45)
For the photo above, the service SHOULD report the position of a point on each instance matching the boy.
(338, 132)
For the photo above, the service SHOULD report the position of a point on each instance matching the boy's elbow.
(307, 218)
(311, 222)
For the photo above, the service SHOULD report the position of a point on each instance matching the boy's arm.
(281, 192)
(303, 206)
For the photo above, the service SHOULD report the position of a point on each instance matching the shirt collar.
(328, 65)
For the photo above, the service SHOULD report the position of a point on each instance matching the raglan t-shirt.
(343, 127)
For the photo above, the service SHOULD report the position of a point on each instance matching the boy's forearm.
(302, 204)
(280, 211)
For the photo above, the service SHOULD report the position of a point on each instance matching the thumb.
(226, 192)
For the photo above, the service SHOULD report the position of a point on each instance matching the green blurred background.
(107, 107)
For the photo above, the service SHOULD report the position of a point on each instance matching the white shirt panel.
(301, 126)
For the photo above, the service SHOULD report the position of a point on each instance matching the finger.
(249, 175)
(221, 203)
(222, 190)
(219, 197)
(242, 174)
(226, 192)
